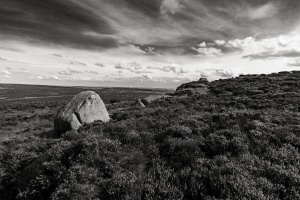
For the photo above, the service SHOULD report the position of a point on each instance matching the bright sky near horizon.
(143, 43)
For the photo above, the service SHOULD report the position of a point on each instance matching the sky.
(143, 43)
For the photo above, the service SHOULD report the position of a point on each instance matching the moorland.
(31, 108)
(240, 140)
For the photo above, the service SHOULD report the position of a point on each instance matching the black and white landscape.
(149, 99)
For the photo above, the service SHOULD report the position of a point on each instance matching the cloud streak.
(170, 68)
(274, 54)
(109, 24)
(99, 65)
(170, 7)
(70, 72)
(132, 67)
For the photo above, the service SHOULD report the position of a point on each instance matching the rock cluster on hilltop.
(193, 88)
(85, 107)
(260, 88)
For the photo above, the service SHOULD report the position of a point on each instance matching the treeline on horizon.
(240, 141)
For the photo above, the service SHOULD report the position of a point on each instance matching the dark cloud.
(148, 8)
(156, 26)
(274, 54)
(54, 21)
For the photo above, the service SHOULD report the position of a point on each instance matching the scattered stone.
(85, 107)
(138, 103)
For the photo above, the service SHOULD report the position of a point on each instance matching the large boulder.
(85, 107)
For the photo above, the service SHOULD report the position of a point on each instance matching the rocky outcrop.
(85, 107)
(196, 87)
(152, 98)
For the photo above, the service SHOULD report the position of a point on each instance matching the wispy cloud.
(226, 73)
(132, 67)
(273, 47)
(202, 74)
(170, 7)
(73, 71)
(57, 55)
(5, 72)
(147, 76)
(274, 54)
(142, 72)
(65, 73)
(60, 78)
(266, 10)
(170, 68)
(78, 63)
(22, 71)
(295, 63)
(91, 72)
(69, 72)
(218, 73)
(209, 52)
(100, 65)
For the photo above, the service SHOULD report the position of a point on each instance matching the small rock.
(138, 103)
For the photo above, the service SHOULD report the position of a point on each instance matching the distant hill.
(19, 92)
(238, 140)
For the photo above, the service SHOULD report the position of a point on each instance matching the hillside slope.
(240, 141)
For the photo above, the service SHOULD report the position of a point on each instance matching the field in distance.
(15, 92)
(31, 108)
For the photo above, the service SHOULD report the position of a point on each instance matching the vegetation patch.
(239, 141)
